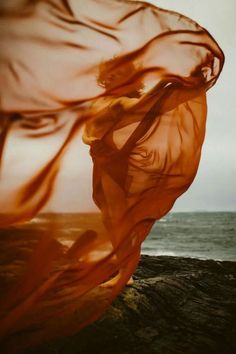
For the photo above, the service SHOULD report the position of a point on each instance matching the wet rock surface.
(175, 306)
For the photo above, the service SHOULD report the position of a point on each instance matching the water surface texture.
(197, 234)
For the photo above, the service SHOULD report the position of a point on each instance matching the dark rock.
(175, 306)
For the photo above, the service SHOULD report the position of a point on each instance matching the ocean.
(205, 235)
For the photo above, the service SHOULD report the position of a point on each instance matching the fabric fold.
(131, 80)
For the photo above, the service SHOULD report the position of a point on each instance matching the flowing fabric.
(130, 80)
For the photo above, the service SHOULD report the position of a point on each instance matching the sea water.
(206, 235)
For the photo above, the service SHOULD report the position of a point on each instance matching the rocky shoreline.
(175, 306)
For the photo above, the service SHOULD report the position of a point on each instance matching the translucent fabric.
(130, 80)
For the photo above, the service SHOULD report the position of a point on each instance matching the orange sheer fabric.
(132, 79)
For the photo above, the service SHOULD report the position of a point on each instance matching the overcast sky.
(214, 187)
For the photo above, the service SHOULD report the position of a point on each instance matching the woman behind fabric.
(134, 77)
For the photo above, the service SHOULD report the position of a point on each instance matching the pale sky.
(214, 185)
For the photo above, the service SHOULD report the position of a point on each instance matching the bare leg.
(111, 282)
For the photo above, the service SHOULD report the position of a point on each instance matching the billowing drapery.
(130, 80)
